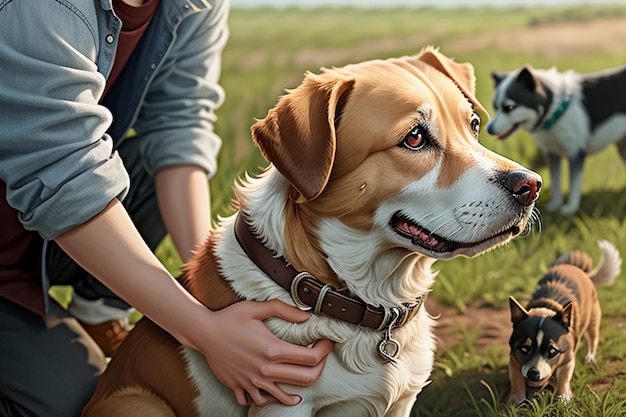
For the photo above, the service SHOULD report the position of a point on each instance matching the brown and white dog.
(376, 171)
(563, 308)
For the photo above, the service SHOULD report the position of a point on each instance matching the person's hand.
(249, 359)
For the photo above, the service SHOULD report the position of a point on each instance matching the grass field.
(270, 49)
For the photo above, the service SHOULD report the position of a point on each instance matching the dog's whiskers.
(534, 223)
(458, 229)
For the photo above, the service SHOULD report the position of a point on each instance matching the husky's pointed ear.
(518, 313)
(528, 80)
(565, 315)
(462, 73)
(298, 134)
(498, 76)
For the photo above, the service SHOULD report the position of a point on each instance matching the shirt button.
(109, 39)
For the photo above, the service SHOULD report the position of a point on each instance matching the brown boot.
(108, 335)
(108, 326)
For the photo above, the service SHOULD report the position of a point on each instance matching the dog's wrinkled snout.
(533, 374)
(524, 186)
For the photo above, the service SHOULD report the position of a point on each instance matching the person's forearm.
(184, 201)
(110, 248)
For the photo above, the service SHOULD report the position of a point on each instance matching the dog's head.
(519, 100)
(541, 341)
(385, 155)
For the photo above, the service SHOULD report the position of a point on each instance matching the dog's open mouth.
(508, 132)
(436, 244)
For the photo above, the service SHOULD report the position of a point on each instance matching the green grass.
(269, 50)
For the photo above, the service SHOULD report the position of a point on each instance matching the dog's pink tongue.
(507, 133)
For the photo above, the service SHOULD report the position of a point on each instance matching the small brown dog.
(564, 307)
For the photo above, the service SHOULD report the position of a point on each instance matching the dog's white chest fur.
(373, 391)
(355, 381)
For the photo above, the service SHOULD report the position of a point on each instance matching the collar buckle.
(294, 291)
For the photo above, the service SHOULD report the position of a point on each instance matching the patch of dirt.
(553, 41)
(311, 57)
(492, 326)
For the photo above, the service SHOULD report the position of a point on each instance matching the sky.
(416, 3)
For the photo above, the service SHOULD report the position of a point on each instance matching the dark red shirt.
(20, 260)
(135, 21)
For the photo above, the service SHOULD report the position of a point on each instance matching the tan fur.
(202, 278)
(137, 402)
(156, 353)
(302, 158)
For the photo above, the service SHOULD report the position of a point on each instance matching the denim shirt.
(57, 141)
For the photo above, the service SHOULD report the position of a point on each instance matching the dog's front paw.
(569, 209)
(564, 398)
(554, 204)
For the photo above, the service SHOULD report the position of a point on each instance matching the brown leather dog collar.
(311, 294)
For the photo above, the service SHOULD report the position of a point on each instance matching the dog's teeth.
(425, 238)
(419, 235)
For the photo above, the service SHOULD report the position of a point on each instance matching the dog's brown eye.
(475, 124)
(552, 352)
(415, 139)
(524, 349)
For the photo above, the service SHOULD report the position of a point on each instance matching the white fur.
(610, 267)
(540, 364)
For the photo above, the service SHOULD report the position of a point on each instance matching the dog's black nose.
(533, 374)
(524, 186)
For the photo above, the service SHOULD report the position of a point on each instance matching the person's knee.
(67, 401)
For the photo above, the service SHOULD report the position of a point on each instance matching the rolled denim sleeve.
(55, 158)
(176, 122)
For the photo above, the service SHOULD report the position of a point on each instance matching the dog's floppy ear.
(298, 134)
(462, 73)
(565, 315)
(518, 313)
